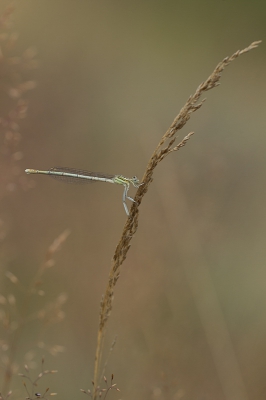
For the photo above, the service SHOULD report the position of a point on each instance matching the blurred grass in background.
(112, 77)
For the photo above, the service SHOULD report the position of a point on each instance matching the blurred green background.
(190, 306)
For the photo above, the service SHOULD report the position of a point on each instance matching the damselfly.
(72, 175)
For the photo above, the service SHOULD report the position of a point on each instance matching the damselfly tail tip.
(29, 171)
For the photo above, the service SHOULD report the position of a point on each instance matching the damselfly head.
(135, 181)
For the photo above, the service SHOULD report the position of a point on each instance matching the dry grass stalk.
(102, 392)
(16, 81)
(32, 393)
(165, 147)
(13, 321)
(16, 72)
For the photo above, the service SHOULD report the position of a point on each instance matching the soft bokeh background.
(190, 306)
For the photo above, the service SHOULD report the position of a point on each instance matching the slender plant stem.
(165, 147)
